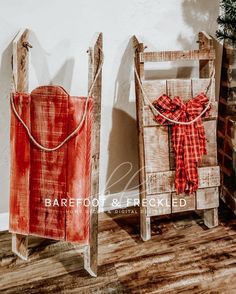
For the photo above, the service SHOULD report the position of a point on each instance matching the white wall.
(62, 32)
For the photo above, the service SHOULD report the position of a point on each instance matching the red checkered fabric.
(189, 141)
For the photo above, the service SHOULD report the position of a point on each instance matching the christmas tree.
(227, 21)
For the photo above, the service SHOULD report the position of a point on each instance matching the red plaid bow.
(189, 141)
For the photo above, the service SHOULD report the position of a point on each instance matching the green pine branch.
(227, 21)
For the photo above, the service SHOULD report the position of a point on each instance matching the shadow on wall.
(123, 140)
(39, 61)
(201, 16)
(198, 16)
(5, 89)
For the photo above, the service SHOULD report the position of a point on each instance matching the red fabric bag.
(36, 175)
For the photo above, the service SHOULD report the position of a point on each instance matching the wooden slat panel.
(159, 204)
(79, 172)
(200, 85)
(207, 198)
(154, 89)
(20, 167)
(209, 176)
(182, 202)
(49, 123)
(148, 116)
(156, 149)
(179, 87)
(163, 182)
(210, 130)
(177, 55)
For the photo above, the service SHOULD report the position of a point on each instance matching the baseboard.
(4, 221)
(107, 203)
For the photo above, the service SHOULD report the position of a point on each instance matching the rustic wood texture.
(203, 54)
(154, 204)
(156, 151)
(181, 257)
(205, 66)
(185, 88)
(163, 182)
(144, 220)
(69, 172)
(207, 198)
(156, 154)
(79, 172)
(49, 124)
(20, 150)
(95, 59)
(20, 245)
(210, 217)
(183, 202)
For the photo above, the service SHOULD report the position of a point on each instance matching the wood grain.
(95, 59)
(163, 182)
(181, 257)
(177, 55)
(207, 198)
(145, 222)
(20, 149)
(156, 149)
(49, 126)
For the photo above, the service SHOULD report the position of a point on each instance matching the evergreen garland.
(227, 21)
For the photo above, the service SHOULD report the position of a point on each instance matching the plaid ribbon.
(189, 141)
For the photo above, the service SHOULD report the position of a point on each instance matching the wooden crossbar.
(177, 55)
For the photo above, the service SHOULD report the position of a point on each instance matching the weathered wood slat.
(159, 204)
(20, 168)
(79, 172)
(183, 202)
(179, 87)
(95, 59)
(20, 150)
(210, 159)
(49, 125)
(145, 223)
(177, 55)
(156, 149)
(163, 182)
(185, 88)
(207, 198)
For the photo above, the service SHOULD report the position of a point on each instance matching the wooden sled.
(20, 204)
(156, 156)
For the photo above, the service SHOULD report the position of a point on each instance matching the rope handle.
(157, 112)
(76, 130)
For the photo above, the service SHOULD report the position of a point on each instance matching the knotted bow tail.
(189, 142)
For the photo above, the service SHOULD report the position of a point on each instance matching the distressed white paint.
(64, 29)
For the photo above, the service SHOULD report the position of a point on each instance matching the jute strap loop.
(76, 130)
(156, 112)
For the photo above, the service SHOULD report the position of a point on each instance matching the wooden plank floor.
(182, 257)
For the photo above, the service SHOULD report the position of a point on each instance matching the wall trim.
(123, 199)
(4, 221)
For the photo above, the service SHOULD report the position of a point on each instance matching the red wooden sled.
(51, 191)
